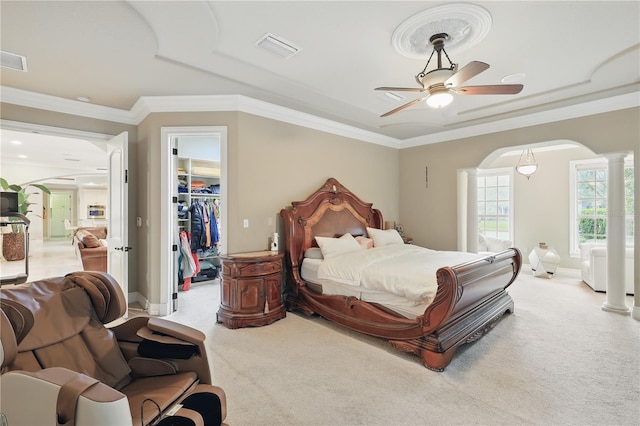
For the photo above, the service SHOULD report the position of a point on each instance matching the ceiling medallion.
(466, 24)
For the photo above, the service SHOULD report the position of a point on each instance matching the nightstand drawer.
(259, 269)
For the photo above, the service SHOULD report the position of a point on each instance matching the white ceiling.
(115, 52)
(73, 162)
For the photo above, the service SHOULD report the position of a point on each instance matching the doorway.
(71, 163)
(192, 157)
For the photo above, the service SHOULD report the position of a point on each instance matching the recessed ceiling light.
(512, 78)
(16, 142)
(22, 156)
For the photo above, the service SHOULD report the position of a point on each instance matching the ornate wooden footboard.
(470, 300)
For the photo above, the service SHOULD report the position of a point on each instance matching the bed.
(469, 295)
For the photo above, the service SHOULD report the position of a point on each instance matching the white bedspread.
(402, 269)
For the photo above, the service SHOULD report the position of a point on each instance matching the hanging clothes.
(187, 267)
(198, 233)
(213, 223)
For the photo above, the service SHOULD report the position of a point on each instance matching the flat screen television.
(8, 202)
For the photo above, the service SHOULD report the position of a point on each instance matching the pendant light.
(527, 164)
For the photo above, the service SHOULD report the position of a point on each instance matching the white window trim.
(503, 171)
(574, 248)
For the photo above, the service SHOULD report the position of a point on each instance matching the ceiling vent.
(277, 45)
(13, 61)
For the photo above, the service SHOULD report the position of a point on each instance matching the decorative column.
(472, 210)
(636, 235)
(615, 301)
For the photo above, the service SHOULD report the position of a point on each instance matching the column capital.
(613, 156)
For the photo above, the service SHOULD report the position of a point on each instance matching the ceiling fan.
(441, 82)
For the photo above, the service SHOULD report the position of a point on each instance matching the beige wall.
(270, 164)
(542, 203)
(429, 214)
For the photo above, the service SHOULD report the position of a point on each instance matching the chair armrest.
(20, 390)
(135, 333)
(180, 331)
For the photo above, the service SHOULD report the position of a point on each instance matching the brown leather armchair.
(91, 248)
(62, 365)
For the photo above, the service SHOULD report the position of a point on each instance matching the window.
(589, 202)
(495, 203)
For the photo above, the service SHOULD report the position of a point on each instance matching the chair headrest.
(105, 293)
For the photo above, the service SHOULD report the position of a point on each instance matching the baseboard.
(564, 272)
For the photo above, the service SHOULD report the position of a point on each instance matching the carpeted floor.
(557, 360)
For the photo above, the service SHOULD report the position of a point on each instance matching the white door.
(117, 211)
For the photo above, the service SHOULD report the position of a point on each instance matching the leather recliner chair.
(62, 365)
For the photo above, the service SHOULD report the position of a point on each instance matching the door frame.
(168, 213)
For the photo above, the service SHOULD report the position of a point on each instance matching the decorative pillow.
(482, 243)
(313, 253)
(331, 247)
(365, 243)
(384, 237)
(88, 239)
(497, 245)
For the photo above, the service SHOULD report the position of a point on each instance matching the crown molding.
(212, 103)
(25, 98)
(614, 103)
(150, 104)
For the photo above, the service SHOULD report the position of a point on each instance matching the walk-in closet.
(199, 214)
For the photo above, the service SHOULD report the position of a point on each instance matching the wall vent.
(13, 61)
(277, 45)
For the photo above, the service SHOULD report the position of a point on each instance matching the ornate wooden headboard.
(331, 211)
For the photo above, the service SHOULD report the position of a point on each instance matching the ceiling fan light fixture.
(439, 98)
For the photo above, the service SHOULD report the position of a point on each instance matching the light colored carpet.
(557, 360)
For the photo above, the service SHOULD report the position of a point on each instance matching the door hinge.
(126, 176)
(175, 151)
(174, 247)
(174, 200)
(174, 296)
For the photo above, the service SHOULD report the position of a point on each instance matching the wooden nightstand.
(251, 289)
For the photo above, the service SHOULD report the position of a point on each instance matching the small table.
(251, 289)
(544, 262)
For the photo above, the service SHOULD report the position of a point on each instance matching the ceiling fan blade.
(470, 70)
(401, 89)
(496, 89)
(407, 105)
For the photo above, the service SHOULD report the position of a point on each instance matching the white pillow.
(365, 243)
(313, 253)
(482, 243)
(331, 247)
(497, 245)
(384, 237)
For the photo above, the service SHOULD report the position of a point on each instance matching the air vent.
(277, 45)
(13, 61)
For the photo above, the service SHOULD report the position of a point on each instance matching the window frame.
(502, 171)
(588, 164)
